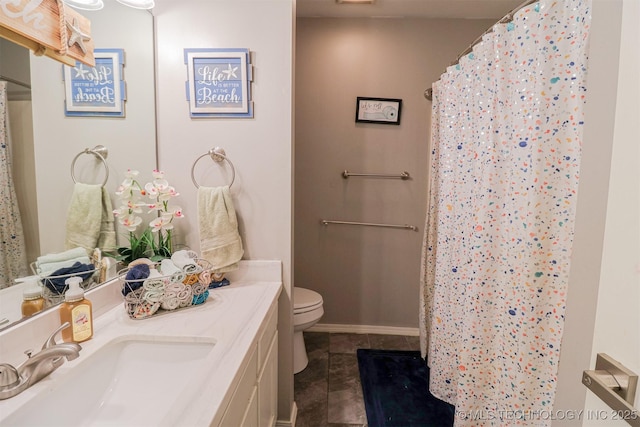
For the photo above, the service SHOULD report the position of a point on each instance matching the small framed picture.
(96, 91)
(219, 82)
(378, 110)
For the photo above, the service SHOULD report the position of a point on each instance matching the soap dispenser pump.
(76, 310)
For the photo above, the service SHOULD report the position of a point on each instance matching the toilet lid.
(305, 298)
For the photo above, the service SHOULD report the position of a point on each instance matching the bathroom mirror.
(56, 139)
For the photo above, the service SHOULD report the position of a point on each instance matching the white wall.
(617, 325)
(603, 300)
(57, 139)
(260, 148)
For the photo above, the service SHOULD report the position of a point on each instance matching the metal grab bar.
(15, 82)
(404, 175)
(404, 226)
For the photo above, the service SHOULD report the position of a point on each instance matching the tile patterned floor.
(328, 392)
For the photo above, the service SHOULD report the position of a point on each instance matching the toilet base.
(300, 359)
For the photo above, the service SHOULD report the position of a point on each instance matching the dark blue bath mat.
(395, 385)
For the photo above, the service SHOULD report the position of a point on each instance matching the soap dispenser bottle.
(76, 310)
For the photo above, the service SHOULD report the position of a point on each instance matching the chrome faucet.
(15, 380)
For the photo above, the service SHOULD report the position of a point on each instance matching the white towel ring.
(101, 152)
(217, 154)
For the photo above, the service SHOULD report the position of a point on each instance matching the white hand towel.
(220, 242)
(62, 256)
(183, 260)
(168, 268)
(46, 269)
(90, 219)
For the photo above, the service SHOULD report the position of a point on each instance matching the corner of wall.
(584, 279)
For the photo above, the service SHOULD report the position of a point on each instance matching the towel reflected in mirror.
(90, 221)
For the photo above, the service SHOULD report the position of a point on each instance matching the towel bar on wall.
(403, 226)
(217, 154)
(101, 152)
(404, 175)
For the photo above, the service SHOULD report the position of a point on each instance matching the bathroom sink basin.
(129, 382)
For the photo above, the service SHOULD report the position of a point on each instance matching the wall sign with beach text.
(99, 90)
(219, 83)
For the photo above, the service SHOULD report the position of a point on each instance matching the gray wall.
(14, 64)
(368, 277)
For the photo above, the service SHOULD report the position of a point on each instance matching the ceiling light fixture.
(139, 4)
(98, 4)
(355, 1)
(85, 4)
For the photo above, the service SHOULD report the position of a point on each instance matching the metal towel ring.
(101, 152)
(217, 154)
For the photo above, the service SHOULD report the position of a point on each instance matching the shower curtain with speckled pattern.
(507, 125)
(12, 253)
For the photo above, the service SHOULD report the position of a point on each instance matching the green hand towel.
(90, 219)
(107, 238)
(220, 242)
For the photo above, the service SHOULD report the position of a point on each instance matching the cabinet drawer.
(243, 394)
(250, 418)
(268, 387)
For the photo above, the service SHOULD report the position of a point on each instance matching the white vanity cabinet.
(254, 402)
(235, 383)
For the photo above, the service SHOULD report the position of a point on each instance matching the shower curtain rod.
(507, 18)
(14, 81)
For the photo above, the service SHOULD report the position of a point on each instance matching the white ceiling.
(471, 9)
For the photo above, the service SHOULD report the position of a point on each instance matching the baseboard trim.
(292, 418)
(364, 329)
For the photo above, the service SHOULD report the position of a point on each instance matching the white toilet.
(307, 310)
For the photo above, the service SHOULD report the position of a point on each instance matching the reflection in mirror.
(18, 137)
(18, 178)
(48, 146)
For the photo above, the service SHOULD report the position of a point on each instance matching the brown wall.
(367, 276)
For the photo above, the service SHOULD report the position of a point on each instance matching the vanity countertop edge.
(232, 317)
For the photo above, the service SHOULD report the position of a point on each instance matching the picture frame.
(378, 110)
(219, 82)
(99, 90)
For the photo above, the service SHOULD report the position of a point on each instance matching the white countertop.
(231, 318)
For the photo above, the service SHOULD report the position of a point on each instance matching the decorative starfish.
(77, 36)
(80, 72)
(231, 72)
